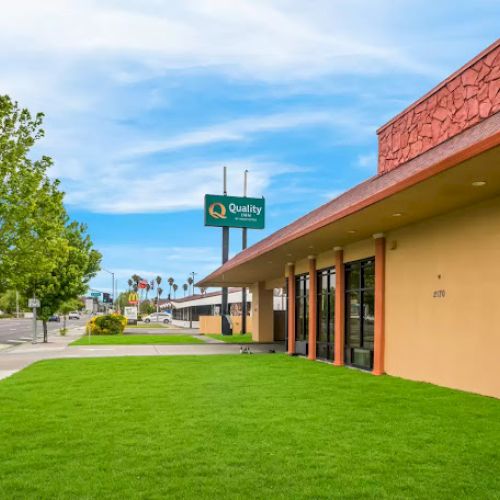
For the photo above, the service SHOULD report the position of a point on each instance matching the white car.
(74, 315)
(158, 318)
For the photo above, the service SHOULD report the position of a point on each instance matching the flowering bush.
(110, 324)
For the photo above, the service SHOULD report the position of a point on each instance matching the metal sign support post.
(243, 246)
(34, 320)
(225, 256)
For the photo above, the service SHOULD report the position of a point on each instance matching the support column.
(339, 307)
(262, 313)
(379, 333)
(291, 308)
(313, 311)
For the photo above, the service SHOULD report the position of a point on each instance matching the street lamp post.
(112, 284)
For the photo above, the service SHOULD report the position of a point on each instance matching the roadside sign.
(133, 298)
(33, 303)
(234, 211)
(95, 294)
(130, 313)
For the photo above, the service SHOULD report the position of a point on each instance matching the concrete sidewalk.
(19, 357)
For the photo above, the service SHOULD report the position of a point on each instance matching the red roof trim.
(472, 141)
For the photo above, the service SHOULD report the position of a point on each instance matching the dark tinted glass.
(353, 276)
(368, 318)
(368, 274)
(353, 323)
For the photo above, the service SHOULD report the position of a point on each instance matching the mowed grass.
(262, 426)
(236, 338)
(136, 339)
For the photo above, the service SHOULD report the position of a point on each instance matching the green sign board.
(95, 294)
(234, 211)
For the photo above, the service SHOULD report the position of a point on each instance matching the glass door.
(360, 313)
(301, 313)
(326, 313)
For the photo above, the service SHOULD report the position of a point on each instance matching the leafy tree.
(42, 253)
(9, 301)
(67, 306)
(31, 211)
(77, 262)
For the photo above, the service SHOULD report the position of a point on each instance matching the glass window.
(360, 313)
(302, 307)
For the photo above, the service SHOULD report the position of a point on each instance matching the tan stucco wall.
(452, 340)
(212, 324)
(359, 250)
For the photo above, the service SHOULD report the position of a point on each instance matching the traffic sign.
(95, 294)
(33, 303)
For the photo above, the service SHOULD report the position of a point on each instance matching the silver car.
(158, 318)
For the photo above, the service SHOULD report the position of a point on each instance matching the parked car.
(55, 317)
(158, 318)
(74, 315)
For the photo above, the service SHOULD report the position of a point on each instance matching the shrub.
(111, 324)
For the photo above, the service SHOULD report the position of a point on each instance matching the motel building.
(203, 311)
(400, 274)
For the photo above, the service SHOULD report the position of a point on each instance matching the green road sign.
(95, 294)
(234, 211)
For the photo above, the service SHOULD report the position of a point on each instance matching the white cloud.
(261, 39)
(130, 189)
(243, 129)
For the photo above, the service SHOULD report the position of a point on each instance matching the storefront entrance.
(326, 313)
(359, 303)
(301, 313)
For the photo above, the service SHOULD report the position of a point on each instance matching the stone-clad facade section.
(455, 105)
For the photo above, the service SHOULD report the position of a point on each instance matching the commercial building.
(401, 274)
(189, 311)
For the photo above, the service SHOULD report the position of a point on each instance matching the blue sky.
(145, 101)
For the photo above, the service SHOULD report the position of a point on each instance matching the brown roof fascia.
(475, 140)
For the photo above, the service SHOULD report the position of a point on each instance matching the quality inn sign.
(234, 211)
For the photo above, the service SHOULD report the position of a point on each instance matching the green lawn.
(261, 426)
(136, 339)
(236, 338)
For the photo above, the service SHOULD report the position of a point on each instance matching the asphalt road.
(15, 331)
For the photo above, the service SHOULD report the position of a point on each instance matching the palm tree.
(159, 291)
(190, 282)
(203, 290)
(170, 283)
(130, 283)
(175, 287)
(158, 280)
(185, 287)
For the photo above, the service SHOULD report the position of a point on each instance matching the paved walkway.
(16, 358)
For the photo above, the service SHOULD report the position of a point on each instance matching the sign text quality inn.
(234, 211)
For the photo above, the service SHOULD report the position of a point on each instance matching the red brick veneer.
(467, 97)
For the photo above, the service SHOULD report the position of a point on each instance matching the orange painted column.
(338, 359)
(379, 334)
(313, 311)
(291, 308)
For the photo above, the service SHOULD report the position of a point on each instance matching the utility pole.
(226, 330)
(243, 246)
(191, 308)
(34, 319)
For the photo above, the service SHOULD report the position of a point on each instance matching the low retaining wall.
(212, 324)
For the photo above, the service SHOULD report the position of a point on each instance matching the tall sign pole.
(243, 246)
(226, 330)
